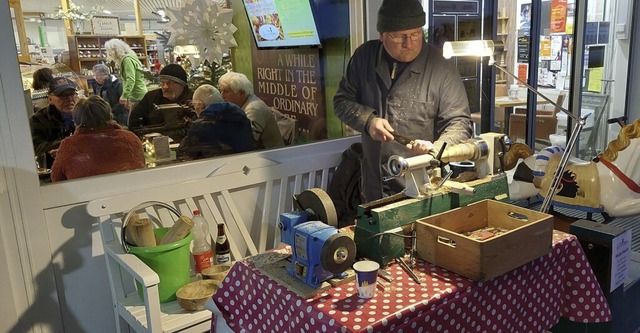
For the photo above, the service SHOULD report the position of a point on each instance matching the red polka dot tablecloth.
(531, 298)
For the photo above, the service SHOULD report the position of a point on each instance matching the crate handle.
(447, 242)
(518, 216)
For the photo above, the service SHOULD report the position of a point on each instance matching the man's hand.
(420, 147)
(380, 129)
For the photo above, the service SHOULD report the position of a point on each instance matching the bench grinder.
(319, 250)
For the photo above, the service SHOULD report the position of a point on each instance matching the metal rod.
(408, 270)
(570, 114)
(557, 176)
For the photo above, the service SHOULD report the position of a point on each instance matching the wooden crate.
(440, 238)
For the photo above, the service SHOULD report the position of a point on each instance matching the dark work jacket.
(427, 101)
(111, 91)
(48, 130)
(221, 129)
(140, 114)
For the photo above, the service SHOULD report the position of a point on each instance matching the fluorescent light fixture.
(484, 48)
(476, 48)
(107, 12)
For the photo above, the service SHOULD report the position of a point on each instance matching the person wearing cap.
(236, 88)
(53, 123)
(98, 146)
(221, 128)
(131, 71)
(173, 89)
(399, 85)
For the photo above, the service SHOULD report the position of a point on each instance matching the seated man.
(236, 88)
(109, 88)
(53, 123)
(173, 90)
(221, 128)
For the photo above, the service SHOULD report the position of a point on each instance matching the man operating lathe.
(399, 85)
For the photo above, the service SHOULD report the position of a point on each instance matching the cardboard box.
(441, 240)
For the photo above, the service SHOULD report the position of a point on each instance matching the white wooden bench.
(248, 200)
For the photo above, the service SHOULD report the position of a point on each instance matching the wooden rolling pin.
(139, 231)
(180, 229)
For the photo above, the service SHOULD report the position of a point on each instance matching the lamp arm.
(564, 159)
(574, 117)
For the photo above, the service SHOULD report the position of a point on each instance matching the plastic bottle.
(223, 251)
(202, 254)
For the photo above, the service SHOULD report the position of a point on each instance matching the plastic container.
(202, 253)
(169, 261)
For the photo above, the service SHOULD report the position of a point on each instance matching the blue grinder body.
(307, 240)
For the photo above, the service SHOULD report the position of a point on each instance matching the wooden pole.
(177, 232)
(139, 232)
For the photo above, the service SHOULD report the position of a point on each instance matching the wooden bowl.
(194, 295)
(216, 273)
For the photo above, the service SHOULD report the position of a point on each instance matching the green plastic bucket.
(169, 261)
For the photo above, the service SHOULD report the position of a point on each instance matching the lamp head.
(471, 48)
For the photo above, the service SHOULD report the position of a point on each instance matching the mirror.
(331, 60)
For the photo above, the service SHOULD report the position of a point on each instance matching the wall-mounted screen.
(282, 23)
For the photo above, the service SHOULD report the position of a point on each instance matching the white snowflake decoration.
(208, 27)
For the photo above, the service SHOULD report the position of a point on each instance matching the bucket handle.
(145, 204)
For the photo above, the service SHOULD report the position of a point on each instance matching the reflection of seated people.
(236, 88)
(109, 88)
(221, 128)
(99, 145)
(40, 85)
(174, 90)
(53, 123)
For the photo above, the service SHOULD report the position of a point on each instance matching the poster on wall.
(558, 21)
(571, 13)
(523, 49)
(290, 80)
(522, 71)
(545, 48)
(525, 19)
(556, 47)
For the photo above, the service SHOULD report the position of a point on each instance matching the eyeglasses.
(401, 38)
(68, 96)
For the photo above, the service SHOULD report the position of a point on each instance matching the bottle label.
(203, 260)
(223, 258)
(221, 239)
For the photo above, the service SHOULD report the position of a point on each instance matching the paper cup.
(366, 276)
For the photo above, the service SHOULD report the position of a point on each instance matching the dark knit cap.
(174, 73)
(399, 15)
